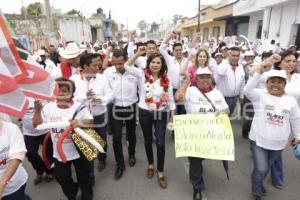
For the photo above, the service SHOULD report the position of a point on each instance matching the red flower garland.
(164, 83)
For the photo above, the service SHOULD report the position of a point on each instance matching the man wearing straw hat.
(72, 64)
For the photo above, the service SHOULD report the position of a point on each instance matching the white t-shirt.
(27, 126)
(11, 142)
(275, 117)
(52, 113)
(195, 102)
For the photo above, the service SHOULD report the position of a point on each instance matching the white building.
(272, 19)
(75, 28)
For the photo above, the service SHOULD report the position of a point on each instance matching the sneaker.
(49, 178)
(38, 179)
(279, 187)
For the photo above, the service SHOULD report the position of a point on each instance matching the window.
(205, 34)
(216, 32)
(259, 29)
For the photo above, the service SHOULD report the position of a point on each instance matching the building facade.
(272, 20)
(216, 21)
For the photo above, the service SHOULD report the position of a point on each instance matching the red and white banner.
(12, 99)
(9, 53)
(20, 75)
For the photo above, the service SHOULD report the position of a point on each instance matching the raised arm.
(105, 61)
(163, 49)
(250, 89)
(130, 48)
(130, 62)
(180, 94)
(37, 117)
(195, 41)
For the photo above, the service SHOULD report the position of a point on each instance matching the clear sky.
(123, 11)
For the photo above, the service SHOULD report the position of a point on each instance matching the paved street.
(134, 185)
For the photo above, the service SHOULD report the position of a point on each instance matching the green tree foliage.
(34, 9)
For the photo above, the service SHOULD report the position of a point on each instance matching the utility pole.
(49, 19)
(198, 27)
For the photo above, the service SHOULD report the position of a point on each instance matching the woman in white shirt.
(156, 100)
(277, 115)
(13, 176)
(63, 110)
(288, 63)
(202, 98)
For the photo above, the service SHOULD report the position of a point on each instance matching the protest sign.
(204, 136)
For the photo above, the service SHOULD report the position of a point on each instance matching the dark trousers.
(18, 195)
(247, 116)
(196, 173)
(231, 102)
(32, 145)
(159, 121)
(63, 175)
(119, 115)
(100, 126)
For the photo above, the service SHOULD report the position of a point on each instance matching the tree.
(142, 25)
(142, 34)
(176, 18)
(74, 12)
(34, 9)
(154, 27)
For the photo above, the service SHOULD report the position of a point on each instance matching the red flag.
(12, 99)
(32, 78)
(9, 53)
(39, 83)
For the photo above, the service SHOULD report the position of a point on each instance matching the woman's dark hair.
(283, 55)
(164, 68)
(197, 54)
(68, 83)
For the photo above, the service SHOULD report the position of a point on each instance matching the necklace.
(164, 83)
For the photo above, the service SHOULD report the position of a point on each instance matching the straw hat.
(72, 51)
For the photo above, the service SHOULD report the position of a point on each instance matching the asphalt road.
(134, 185)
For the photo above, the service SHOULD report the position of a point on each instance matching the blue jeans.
(18, 195)
(231, 102)
(158, 120)
(262, 160)
(277, 172)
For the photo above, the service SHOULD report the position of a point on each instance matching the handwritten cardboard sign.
(204, 136)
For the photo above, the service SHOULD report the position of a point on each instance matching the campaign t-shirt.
(11, 142)
(197, 103)
(52, 113)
